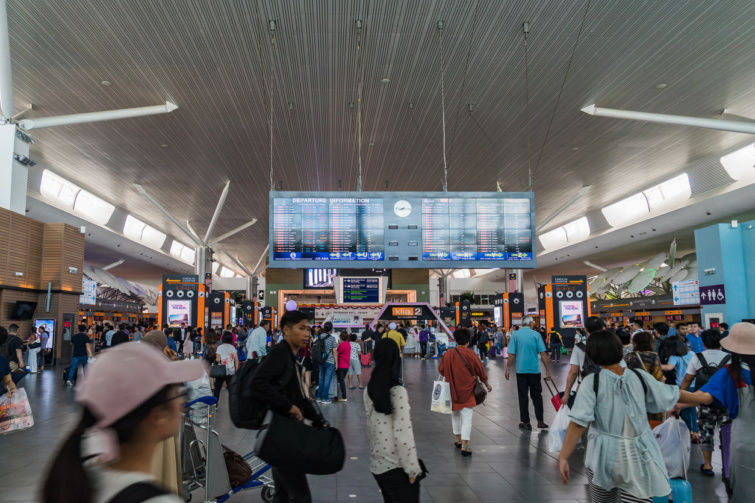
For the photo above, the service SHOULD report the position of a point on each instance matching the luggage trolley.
(203, 464)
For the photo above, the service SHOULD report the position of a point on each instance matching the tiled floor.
(508, 464)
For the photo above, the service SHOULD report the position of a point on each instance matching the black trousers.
(423, 348)
(533, 383)
(396, 488)
(341, 375)
(219, 385)
(483, 351)
(290, 487)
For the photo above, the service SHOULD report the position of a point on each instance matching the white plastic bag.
(15, 413)
(557, 431)
(673, 438)
(441, 401)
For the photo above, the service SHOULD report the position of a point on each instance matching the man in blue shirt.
(694, 341)
(524, 347)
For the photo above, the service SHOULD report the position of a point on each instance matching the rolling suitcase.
(555, 396)
(67, 370)
(725, 449)
(366, 360)
(681, 492)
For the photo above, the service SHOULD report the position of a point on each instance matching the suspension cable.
(443, 106)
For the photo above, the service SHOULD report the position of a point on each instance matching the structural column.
(13, 175)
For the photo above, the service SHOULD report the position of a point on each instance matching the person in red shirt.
(344, 360)
(461, 379)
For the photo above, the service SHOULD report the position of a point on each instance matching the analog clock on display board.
(402, 208)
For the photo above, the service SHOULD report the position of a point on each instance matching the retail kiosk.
(181, 300)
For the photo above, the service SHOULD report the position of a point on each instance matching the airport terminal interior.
(190, 174)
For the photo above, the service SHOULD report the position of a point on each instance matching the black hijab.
(385, 375)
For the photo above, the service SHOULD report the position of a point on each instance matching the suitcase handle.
(548, 385)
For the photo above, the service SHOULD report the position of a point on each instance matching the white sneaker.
(324, 402)
(69, 383)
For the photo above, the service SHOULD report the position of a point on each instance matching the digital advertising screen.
(402, 229)
(571, 314)
(49, 325)
(179, 311)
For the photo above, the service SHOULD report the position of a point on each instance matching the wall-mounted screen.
(49, 327)
(402, 229)
(571, 314)
(179, 311)
(319, 278)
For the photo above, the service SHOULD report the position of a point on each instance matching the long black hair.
(67, 479)
(385, 375)
(735, 369)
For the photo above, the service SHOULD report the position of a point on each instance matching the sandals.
(466, 452)
(457, 445)
(707, 472)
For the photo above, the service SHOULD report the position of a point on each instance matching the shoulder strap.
(465, 362)
(724, 361)
(642, 381)
(639, 357)
(702, 359)
(137, 493)
(596, 382)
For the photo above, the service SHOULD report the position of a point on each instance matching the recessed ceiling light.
(660, 86)
(105, 82)
(385, 81)
(164, 145)
(575, 148)
(372, 144)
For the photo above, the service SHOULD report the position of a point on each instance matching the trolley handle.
(207, 400)
(549, 384)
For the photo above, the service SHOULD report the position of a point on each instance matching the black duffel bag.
(294, 446)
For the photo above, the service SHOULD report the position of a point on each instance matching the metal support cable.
(464, 80)
(443, 106)
(563, 83)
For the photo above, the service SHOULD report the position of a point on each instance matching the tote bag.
(441, 399)
(15, 413)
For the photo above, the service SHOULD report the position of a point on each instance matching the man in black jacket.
(288, 400)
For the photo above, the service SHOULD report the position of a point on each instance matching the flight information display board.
(361, 290)
(402, 229)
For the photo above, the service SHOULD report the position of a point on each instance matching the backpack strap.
(137, 493)
(724, 361)
(702, 359)
(595, 382)
(642, 381)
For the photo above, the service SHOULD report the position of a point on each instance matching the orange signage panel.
(642, 314)
(671, 313)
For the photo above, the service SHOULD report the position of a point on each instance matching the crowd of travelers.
(627, 379)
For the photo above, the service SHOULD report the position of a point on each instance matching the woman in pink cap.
(731, 387)
(132, 396)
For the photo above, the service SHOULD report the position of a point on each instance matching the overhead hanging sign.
(88, 292)
(686, 292)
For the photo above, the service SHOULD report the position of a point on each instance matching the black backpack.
(319, 353)
(708, 370)
(588, 367)
(246, 411)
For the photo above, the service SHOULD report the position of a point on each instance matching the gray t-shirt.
(330, 344)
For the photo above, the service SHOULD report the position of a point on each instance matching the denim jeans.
(326, 376)
(75, 364)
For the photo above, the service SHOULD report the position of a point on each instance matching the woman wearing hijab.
(393, 456)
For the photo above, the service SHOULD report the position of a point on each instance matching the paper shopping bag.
(441, 401)
(15, 413)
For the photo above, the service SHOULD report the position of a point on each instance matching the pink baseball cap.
(126, 376)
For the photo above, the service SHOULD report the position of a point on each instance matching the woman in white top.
(623, 461)
(393, 456)
(132, 396)
(227, 355)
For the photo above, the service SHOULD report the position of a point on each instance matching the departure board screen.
(402, 229)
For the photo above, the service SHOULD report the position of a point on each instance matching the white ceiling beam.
(231, 233)
(165, 212)
(216, 215)
(114, 264)
(193, 232)
(590, 264)
(67, 120)
(25, 113)
(256, 270)
(563, 208)
(235, 260)
(677, 120)
(6, 79)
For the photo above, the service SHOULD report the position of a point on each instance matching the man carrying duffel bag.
(281, 391)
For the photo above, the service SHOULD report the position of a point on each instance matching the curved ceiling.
(213, 59)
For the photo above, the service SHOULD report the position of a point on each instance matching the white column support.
(590, 264)
(193, 232)
(165, 212)
(6, 79)
(235, 260)
(114, 264)
(256, 270)
(23, 114)
(678, 120)
(216, 215)
(563, 208)
(67, 120)
(234, 231)
(14, 176)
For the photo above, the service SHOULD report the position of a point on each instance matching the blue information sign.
(361, 290)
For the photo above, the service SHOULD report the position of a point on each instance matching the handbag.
(480, 393)
(217, 370)
(300, 448)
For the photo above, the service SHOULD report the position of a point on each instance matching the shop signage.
(99, 314)
(642, 314)
(402, 311)
(671, 313)
(616, 314)
(715, 294)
